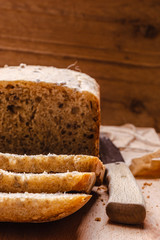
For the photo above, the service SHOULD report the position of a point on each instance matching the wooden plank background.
(117, 42)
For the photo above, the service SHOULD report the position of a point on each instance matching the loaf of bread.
(48, 110)
(52, 163)
(38, 207)
(46, 182)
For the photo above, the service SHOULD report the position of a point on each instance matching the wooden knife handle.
(126, 203)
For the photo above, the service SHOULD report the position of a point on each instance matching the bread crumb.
(147, 184)
(98, 219)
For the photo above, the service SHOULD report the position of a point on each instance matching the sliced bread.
(52, 163)
(38, 207)
(46, 182)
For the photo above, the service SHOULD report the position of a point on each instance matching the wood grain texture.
(117, 42)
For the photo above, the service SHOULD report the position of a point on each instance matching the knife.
(126, 203)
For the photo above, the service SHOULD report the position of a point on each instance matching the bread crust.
(30, 207)
(60, 76)
(52, 163)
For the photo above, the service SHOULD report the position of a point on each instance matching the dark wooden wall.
(116, 42)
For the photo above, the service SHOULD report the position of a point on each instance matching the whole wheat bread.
(48, 110)
(52, 163)
(38, 207)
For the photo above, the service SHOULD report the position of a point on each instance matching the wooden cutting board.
(91, 222)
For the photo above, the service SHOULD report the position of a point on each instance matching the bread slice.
(38, 207)
(52, 163)
(45, 182)
(48, 110)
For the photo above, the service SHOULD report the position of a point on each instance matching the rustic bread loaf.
(38, 207)
(52, 163)
(48, 110)
(46, 182)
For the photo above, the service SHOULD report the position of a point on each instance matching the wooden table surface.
(83, 225)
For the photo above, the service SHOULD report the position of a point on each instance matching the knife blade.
(125, 203)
